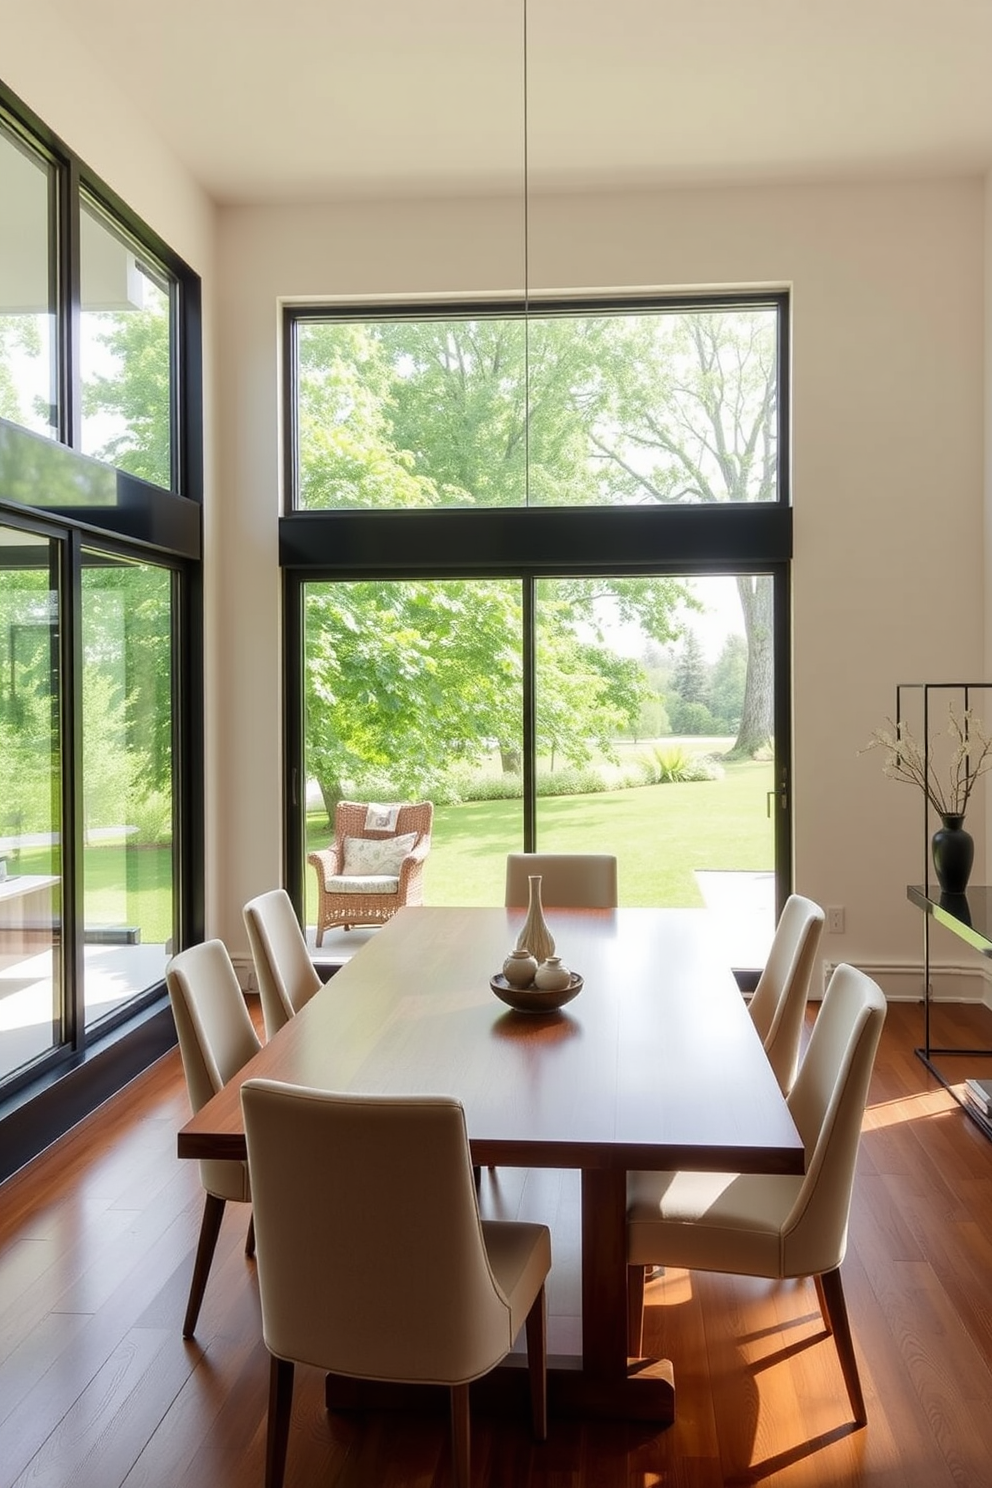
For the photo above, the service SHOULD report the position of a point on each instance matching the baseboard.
(950, 981)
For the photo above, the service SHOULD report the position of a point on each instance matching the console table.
(968, 916)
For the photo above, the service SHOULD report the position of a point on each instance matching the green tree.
(136, 396)
(728, 678)
(690, 676)
(693, 418)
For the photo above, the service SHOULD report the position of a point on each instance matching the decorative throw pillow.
(364, 855)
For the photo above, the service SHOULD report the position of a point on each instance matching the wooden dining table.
(655, 1064)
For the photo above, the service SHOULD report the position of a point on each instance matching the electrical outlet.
(835, 919)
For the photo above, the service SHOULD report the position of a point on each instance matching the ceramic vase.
(535, 936)
(551, 976)
(520, 968)
(953, 854)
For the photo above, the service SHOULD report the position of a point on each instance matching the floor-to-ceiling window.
(127, 780)
(31, 1006)
(617, 474)
(100, 485)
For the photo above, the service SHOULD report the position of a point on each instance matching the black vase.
(953, 854)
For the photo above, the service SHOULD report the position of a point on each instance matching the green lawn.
(660, 834)
(122, 887)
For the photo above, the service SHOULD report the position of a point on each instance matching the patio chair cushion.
(376, 883)
(369, 856)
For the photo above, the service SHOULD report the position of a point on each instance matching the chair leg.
(824, 1306)
(213, 1213)
(537, 1364)
(250, 1237)
(839, 1324)
(461, 1445)
(635, 1310)
(280, 1410)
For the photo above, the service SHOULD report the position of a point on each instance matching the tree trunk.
(330, 792)
(757, 714)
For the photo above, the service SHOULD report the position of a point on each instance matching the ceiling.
(277, 100)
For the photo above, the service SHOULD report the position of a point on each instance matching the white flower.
(970, 758)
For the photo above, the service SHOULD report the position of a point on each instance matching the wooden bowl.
(535, 999)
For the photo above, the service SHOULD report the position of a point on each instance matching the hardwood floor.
(98, 1389)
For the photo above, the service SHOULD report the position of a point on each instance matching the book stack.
(979, 1095)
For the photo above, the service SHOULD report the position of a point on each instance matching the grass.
(121, 886)
(660, 834)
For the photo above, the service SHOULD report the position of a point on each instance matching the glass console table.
(968, 916)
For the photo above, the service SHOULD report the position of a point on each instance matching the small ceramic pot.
(551, 976)
(520, 968)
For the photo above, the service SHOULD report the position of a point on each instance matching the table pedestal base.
(645, 1393)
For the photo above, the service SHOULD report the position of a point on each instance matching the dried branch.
(970, 759)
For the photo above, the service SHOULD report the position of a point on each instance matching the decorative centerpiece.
(533, 979)
(952, 847)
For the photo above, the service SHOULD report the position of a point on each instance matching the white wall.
(888, 284)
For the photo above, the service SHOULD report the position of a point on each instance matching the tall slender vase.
(953, 854)
(535, 936)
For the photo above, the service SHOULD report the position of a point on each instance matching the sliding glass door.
(655, 741)
(127, 796)
(31, 1022)
(633, 715)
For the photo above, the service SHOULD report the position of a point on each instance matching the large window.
(101, 871)
(537, 570)
(125, 351)
(28, 388)
(31, 1008)
(661, 405)
(127, 782)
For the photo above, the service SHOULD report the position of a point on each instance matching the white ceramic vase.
(551, 976)
(535, 936)
(520, 968)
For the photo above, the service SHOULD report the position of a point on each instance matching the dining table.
(654, 1064)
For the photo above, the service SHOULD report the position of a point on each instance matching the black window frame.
(531, 542)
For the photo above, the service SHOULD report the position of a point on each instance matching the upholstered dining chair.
(371, 869)
(383, 1270)
(568, 880)
(778, 1004)
(286, 976)
(776, 1226)
(216, 1039)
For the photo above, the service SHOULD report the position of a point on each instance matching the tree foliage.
(571, 410)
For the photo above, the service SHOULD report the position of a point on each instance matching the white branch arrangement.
(971, 758)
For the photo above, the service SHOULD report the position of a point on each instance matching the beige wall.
(887, 287)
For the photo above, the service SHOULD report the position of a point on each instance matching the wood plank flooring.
(98, 1389)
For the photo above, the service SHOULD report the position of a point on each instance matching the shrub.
(678, 764)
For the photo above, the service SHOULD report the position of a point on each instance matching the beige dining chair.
(286, 976)
(216, 1039)
(775, 1225)
(568, 880)
(778, 1004)
(383, 1270)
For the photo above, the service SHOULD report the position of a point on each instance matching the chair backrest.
(216, 1035)
(287, 977)
(779, 1001)
(568, 880)
(350, 818)
(827, 1104)
(371, 1255)
(216, 1039)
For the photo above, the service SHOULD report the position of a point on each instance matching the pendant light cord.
(526, 170)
